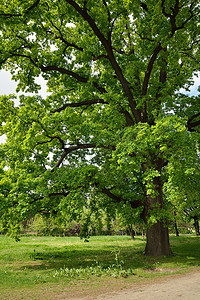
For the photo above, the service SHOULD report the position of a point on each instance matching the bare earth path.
(184, 287)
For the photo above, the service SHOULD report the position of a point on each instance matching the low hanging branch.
(120, 199)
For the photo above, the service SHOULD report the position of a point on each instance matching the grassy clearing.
(49, 262)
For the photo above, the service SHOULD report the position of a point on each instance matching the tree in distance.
(115, 118)
(183, 189)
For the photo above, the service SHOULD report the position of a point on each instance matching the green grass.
(49, 261)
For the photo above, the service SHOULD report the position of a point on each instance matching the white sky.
(7, 86)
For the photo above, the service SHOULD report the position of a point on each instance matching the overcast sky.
(7, 86)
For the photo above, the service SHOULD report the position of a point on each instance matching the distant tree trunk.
(157, 235)
(131, 231)
(196, 226)
(175, 225)
(142, 233)
(176, 228)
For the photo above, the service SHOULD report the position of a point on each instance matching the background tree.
(114, 70)
(183, 186)
(130, 219)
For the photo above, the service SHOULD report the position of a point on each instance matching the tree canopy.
(115, 120)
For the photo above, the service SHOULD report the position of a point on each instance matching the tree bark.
(157, 240)
(176, 228)
(175, 224)
(131, 232)
(157, 234)
(196, 226)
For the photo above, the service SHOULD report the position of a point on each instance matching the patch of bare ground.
(109, 288)
(162, 270)
(180, 286)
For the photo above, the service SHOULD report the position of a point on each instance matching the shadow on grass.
(45, 260)
(185, 254)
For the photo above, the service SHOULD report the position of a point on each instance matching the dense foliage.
(115, 123)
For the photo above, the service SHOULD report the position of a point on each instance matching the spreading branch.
(62, 38)
(127, 115)
(106, 42)
(63, 71)
(79, 104)
(120, 199)
(32, 6)
(78, 147)
(51, 138)
(175, 10)
(150, 68)
(162, 79)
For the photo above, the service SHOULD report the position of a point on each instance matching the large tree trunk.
(157, 240)
(157, 235)
(196, 226)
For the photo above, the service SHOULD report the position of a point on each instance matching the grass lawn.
(53, 265)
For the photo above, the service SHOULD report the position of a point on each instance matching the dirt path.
(184, 287)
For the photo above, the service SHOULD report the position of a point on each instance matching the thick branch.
(175, 12)
(162, 78)
(108, 12)
(193, 117)
(61, 37)
(13, 54)
(128, 117)
(64, 71)
(50, 140)
(114, 197)
(32, 6)
(73, 74)
(108, 47)
(79, 104)
(83, 12)
(149, 69)
(78, 147)
(147, 78)
(144, 6)
(65, 194)
(163, 10)
(57, 69)
(119, 199)
(125, 85)
(172, 17)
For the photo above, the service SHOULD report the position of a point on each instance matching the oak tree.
(114, 117)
